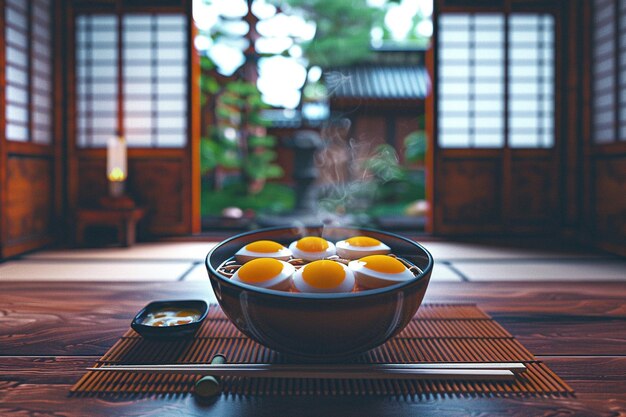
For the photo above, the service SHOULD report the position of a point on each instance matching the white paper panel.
(531, 80)
(603, 67)
(96, 61)
(470, 99)
(155, 49)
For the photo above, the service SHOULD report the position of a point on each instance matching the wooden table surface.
(51, 331)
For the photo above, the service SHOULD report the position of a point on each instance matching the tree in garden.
(343, 30)
(239, 138)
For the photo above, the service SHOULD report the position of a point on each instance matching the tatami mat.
(443, 272)
(197, 274)
(93, 271)
(578, 270)
(456, 251)
(176, 251)
(185, 261)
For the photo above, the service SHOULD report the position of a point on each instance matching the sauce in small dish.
(170, 318)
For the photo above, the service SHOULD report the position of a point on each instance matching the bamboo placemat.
(438, 333)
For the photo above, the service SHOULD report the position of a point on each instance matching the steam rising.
(345, 187)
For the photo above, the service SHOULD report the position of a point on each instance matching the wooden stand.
(123, 219)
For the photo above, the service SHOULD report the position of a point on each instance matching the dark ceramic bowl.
(320, 326)
(181, 330)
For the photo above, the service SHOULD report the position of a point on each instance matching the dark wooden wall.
(31, 174)
(156, 180)
(28, 205)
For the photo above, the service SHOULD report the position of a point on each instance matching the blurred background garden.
(313, 111)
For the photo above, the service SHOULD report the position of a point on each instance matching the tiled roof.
(399, 82)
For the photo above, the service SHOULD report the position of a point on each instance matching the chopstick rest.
(209, 386)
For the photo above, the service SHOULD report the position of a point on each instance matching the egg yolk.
(323, 274)
(264, 246)
(363, 241)
(383, 263)
(312, 244)
(259, 270)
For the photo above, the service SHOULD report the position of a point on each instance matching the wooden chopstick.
(440, 371)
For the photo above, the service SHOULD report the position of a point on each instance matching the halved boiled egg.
(262, 249)
(312, 248)
(376, 271)
(265, 273)
(324, 276)
(359, 246)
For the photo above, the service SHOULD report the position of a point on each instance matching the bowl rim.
(323, 296)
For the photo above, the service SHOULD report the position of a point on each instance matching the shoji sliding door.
(493, 116)
(132, 73)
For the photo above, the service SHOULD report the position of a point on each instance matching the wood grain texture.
(155, 183)
(471, 199)
(548, 318)
(595, 375)
(91, 182)
(159, 184)
(53, 399)
(78, 318)
(30, 199)
(528, 206)
(610, 201)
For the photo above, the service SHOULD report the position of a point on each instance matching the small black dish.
(180, 330)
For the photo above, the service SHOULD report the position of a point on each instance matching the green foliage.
(343, 30)
(206, 64)
(215, 152)
(415, 146)
(259, 165)
(262, 141)
(384, 165)
(272, 199)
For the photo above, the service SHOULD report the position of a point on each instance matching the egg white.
(312, 256)
(282, 281)
(347, 285)
(348, 251)
(244, 255)
(368, 278)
